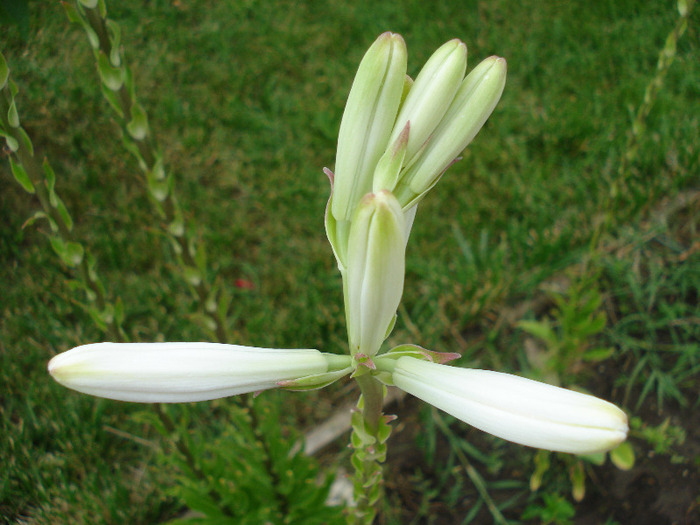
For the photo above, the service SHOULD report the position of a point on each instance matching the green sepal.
(4, 71)
(71, 253)
(21, 176)
(314, 381)
(88, 4)
(419, 352)
(138, 126)
(622, 456)
(111, 76)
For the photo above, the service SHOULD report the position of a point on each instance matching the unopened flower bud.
(375, 271)
(515, 408)
(474, 102)
(179, 372)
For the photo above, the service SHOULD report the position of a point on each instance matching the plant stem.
(369, 435)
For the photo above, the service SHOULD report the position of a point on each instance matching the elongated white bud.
(179, 372)
(472, 105)
(374, 280)
(431, 94)
(514, 408)
(369, 116)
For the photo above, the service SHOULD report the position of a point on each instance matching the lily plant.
(397, 138)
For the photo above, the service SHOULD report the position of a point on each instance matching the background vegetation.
(245, 98)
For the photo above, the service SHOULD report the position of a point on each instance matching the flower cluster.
(397, 138)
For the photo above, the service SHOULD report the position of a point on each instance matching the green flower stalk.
(373, 283)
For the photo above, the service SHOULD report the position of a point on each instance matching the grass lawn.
(245, 100)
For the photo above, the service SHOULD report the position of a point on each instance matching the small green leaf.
(50, 175)
(622, 456)
(224, 303)
(119, 311)
(97, 318)
(157, 171)
(71, 253)
(4, 71)
(577, 475)
(113, 100)
(90, 4)
(541, 466)
(111, 76)
(63, 212)
(138, 126)
(192, 276)
(12, 115)
(10, 140)
(540, 329)
(72, 13)
(26, 140)
(21, 176)
(159, 189)
(598, 354)
(74, 254)
(35, 217)
(115, 42)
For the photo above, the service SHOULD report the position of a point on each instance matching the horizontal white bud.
(179, 372)
(515, 408)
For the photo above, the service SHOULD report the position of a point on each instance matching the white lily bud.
(430, 95)
(369, 116)
(179, 372)
(472, 105)
(375, 272)
(514, 408)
